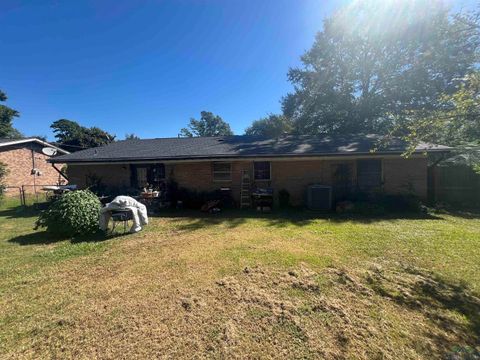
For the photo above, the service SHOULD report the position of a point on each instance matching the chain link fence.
(31, 195)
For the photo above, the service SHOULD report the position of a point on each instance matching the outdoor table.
(263, 198)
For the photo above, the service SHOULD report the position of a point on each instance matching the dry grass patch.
(241, 287)
(333, 314)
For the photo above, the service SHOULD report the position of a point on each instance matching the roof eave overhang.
(241, 157)
(38, 141)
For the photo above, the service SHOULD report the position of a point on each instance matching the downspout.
(34, 170)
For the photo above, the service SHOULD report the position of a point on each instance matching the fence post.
(431, 198)
(22, 196)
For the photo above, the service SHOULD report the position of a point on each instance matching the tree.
(40, 137)
(208, 125)
(455, 123)
(131, 136)
(375, 61)
(3, 173)
(7, 116)
(270, 126)
(74, 137)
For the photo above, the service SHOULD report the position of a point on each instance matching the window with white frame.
(222, 171)
(261, 170)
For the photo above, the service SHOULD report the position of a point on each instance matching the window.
(142, 177)
(342, 179)
(148, 176)
(369, 174)
(157, 173)
(222, 171)
(261, 170)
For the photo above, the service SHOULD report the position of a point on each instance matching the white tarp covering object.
(139, 211)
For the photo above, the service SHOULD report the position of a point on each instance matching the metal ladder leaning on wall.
(245, 196)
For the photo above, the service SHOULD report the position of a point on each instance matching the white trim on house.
(41, 142)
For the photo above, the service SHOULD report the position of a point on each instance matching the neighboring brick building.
(27, 165)
(288, 163)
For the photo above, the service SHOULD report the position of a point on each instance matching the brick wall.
(405, 175)
(19, 163)
(110, 174)
(199, 176)
(294, 176)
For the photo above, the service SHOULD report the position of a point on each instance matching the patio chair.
(121, 216)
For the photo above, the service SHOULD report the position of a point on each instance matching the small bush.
(95, 184)
(74, 213)
(380, 203)
(368, 208)
(401, 203)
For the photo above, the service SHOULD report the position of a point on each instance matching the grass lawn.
(244, 285)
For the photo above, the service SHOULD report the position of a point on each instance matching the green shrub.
(368, 208)
(95, 184)
(401, 203)
(378, 203)
(74, 213)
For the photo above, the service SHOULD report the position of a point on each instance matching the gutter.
(239, 158)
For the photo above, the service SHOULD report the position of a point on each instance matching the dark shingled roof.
(235, 147)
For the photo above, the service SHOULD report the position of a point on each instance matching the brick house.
(27, 164)
(291, 163)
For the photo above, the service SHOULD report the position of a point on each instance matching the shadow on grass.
(439, 300)
(19, 211)
(468, 214)
(45, 238)
(281, 218)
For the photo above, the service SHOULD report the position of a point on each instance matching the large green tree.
(271, 126)
(7, 116)
(376, 61)
(456, 122)
(208, 125)
(74, 137)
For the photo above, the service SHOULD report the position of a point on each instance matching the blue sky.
(147, 67)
